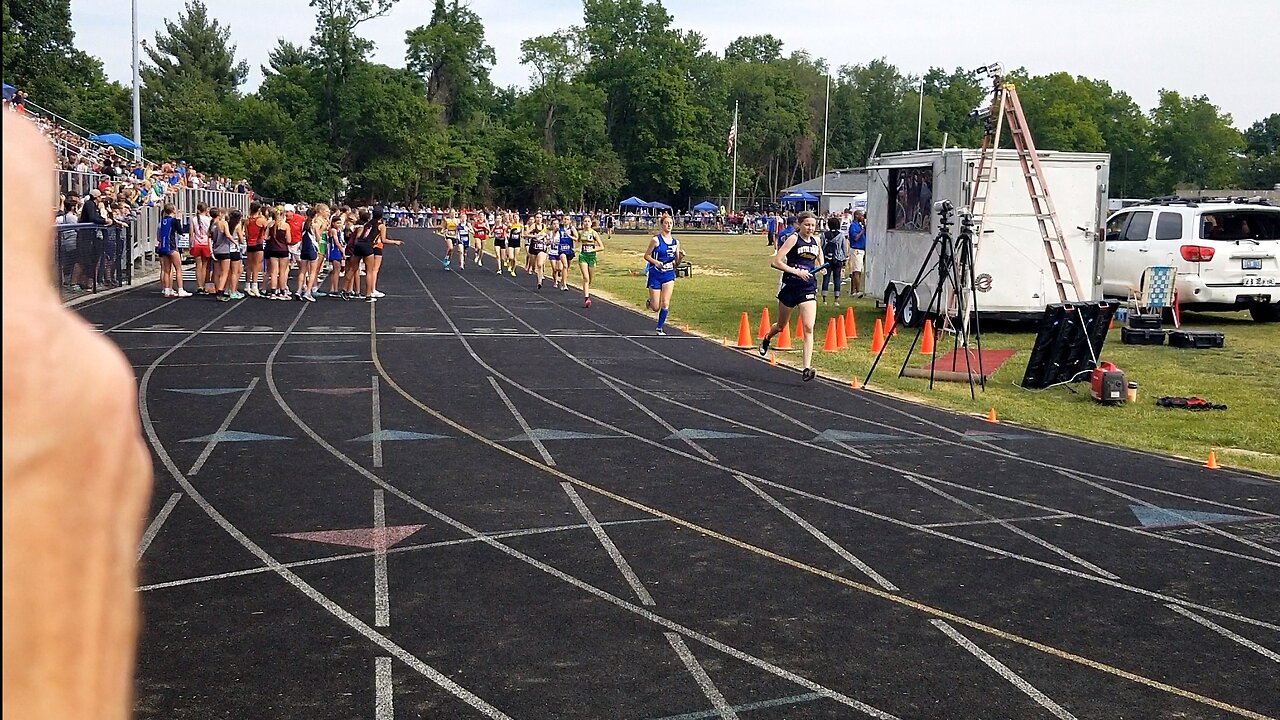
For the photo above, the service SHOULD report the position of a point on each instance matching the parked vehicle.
(1226, 253)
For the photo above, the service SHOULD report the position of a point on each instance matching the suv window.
(1240, 225)
(1139, 226)
(1115, 226)
(1169, 226)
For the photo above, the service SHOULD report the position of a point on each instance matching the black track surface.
(920, 568)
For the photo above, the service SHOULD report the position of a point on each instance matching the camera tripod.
(954, 266)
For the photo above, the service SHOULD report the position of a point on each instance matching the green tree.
(1260, 168)
(1062, 112)
(196, 47)
(452, 57)
(754, 48)
(1198, 146)
(40, 56)
(338, 51)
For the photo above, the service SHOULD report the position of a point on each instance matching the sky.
(1218, 49)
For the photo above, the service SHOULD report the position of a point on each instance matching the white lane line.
(528, 431)
(795, 421)
(139, 316)
(496, 334)
(624, 567)
(748, 707)
(1224, 632)
(968, 523)
(1004, 671)
(654, 416)
(1203, 526)
(383, 699)
(396, 549)
(381, 597)
(723, 709)
(377, 424)
(213, 440)
(822, 537)
(154, 527)
(355, 623)
(1013, 528)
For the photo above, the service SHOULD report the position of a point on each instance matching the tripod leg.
(924, 267)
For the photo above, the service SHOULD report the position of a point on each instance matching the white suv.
(1226, 252)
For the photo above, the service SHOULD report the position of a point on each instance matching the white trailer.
(1014, 278)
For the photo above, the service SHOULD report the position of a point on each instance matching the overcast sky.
(1221, 49)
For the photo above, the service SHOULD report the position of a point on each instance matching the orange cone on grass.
(842, 340)
(1212, 464)
(854, 384)
(889, 320)
(850, 324)
(799, 329)
(927, 339)
(831, 342)
(991, 416)
(765, 324)
(744, 333)
(784, 338)
(773, 358)
(877, 337)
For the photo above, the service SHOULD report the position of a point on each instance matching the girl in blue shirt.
(663, 255)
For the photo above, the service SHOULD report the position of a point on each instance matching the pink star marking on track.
(367, 538)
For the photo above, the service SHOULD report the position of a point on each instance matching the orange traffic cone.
(724, 341)
(991, 416)
(927, 340)
(854, 384)
(850, 324)
(841, 338)
(744, 334)
(784, 338)
(799, 329)
(877, 337)
(888, 320)
(773, 358)
(765, 324)
(1213, 461)
(685, 327)
(831, 342)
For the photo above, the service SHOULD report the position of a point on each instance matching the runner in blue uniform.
(464, 241)
(796, 259)
(537, 236)
(663, 255)
(565, 235)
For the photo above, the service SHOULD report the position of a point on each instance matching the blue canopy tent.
(706, 206)
(9, 91)
(659, 206)
(115, 139)
(795, 198)
(633, 202)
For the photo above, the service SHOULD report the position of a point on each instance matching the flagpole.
(826, 116)
(733, 192)
(920, 118)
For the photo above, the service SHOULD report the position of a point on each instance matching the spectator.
(857, 252)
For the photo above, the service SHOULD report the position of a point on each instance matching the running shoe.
(565, 287)
(586, 303)
(182, 293)
(764, 347)
(168, 292)
(308, 298)
(344, 295)
(808, 374)
(320, 293)
(661, 331)
(446, 265)
(237, 296)
(222, 298)
(539, 286)
(372, 300)
(378, 294)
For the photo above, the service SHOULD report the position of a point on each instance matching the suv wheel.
(1265, 313)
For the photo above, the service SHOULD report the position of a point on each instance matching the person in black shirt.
(798, 258)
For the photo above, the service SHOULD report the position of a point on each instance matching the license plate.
(1259, 282)
(1251, 264)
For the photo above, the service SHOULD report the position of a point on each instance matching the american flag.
(733, 137)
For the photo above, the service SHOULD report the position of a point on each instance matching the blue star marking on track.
(236, 436)
(1154, 517)
(545, 434)
(207, 391)
(390, 435)
(699, 434)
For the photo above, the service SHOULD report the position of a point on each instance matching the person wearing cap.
(857, 252)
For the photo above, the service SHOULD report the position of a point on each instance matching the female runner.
(797, 256)
(663, 254)
(565, 235)
(537, 249)
(589, 243)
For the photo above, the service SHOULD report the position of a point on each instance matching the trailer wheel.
(891, 297)
(908, 309)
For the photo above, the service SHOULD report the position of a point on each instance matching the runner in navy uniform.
(797, 256)
(663, 254)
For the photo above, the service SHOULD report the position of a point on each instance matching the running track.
(475, 500)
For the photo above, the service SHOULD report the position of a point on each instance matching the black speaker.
(1069, 339)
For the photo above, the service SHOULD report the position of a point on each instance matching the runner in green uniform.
(589, 243)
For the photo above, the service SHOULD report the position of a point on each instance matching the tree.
(754, 48)
(1260, 168)
(338, 50)
(40, 56)
(555, 60)
(1196, 142)
(196, 47)
(452, 57)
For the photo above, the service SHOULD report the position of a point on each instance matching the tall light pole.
(826, 116)
(137, 91)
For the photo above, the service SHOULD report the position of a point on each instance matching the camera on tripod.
(945, 209)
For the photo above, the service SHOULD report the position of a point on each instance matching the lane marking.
(748, 707)
(381, 596)
(1264, 652)
(822, 537)
(1004, 671)
(139, 316)
(1012, 528)
(370, 553)
(267, 559)
(226, 423)
(723, 709)
(624, 567)
(376, 436)
(969, 523)
(883, 594)
(384, 691)
(799, 423)
(154, 527)
(654, 416)
(528, 431)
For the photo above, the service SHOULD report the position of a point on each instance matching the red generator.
(1107, 384)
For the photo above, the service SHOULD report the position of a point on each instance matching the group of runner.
(266, 244)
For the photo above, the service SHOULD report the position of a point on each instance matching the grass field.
(731, 274)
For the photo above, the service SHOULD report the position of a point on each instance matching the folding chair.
(1157, 292)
